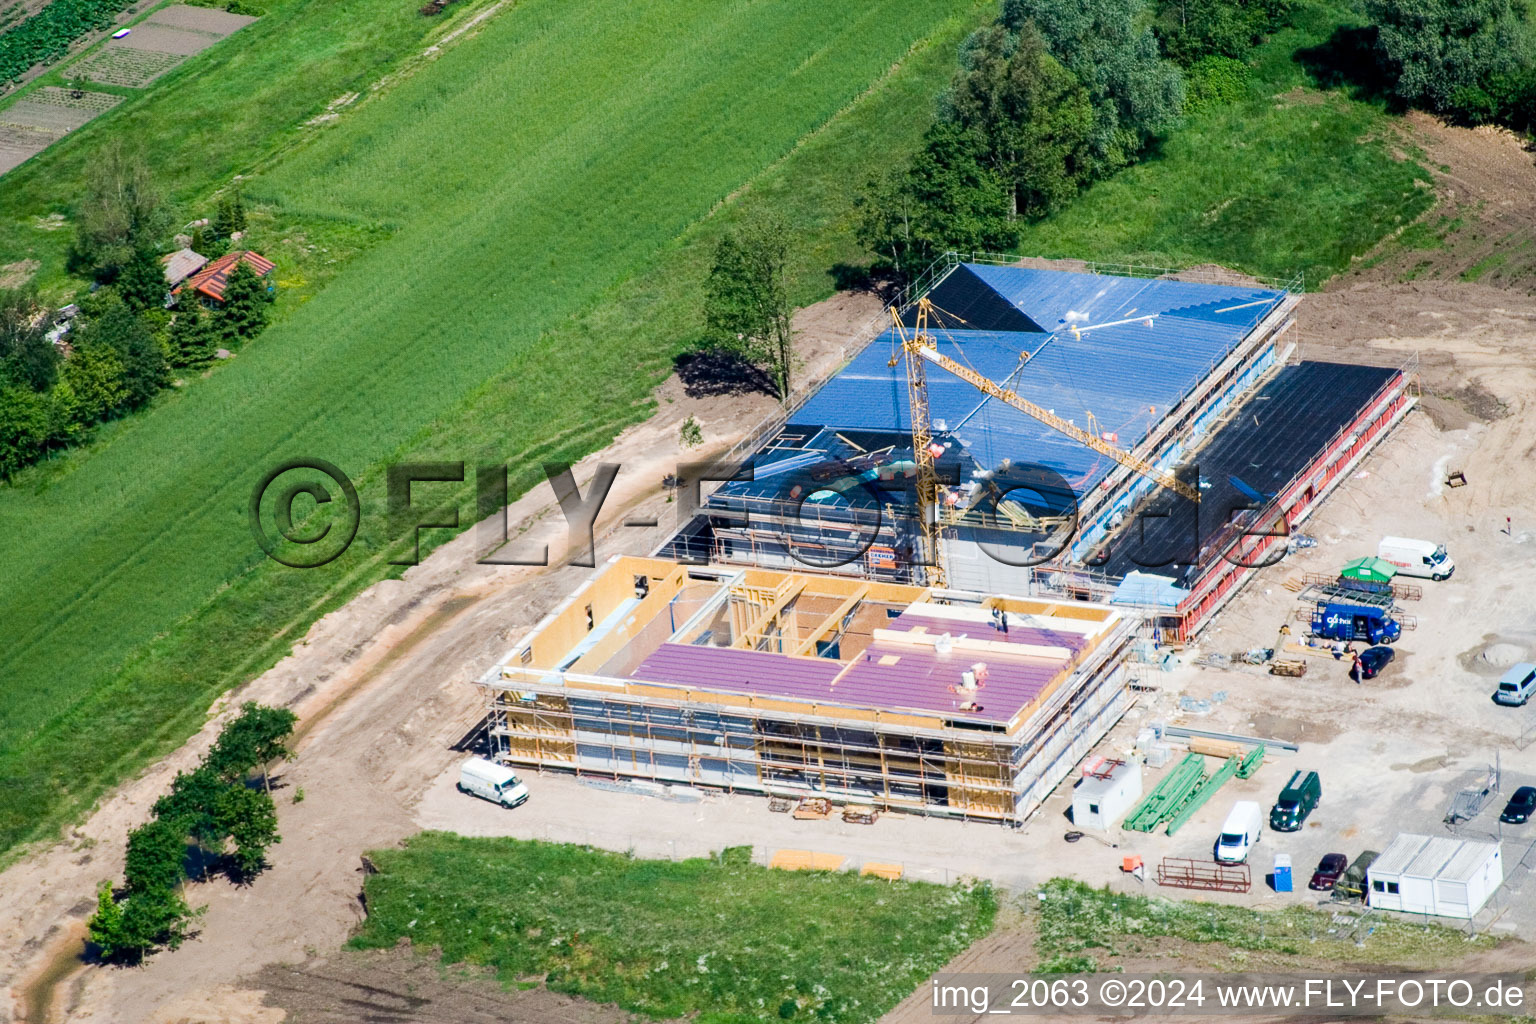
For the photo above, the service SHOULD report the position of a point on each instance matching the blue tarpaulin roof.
(1128, 375)
(1147, 590)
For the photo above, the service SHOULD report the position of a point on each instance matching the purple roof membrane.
(919, 679)
(985, 630)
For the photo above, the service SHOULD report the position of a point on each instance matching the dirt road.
(380, 690)
(380, 684)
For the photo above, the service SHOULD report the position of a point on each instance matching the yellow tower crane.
(919, 348)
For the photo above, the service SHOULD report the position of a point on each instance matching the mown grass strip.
(163, 600)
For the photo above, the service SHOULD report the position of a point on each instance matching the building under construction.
(886, 694)
(1141, 440)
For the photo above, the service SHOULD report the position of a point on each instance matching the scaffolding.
(582, 719)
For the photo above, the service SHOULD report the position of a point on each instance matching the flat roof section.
(1270, 440)
(796, 641)
(1125, 349)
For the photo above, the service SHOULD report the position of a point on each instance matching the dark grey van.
(1296, 801)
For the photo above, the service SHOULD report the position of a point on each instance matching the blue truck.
(1340, 620)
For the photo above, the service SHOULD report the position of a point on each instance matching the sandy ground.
(380, 690)
(380, 684)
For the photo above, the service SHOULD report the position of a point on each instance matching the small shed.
(181, 264)
(1369, 570)
(1435, 875)
(1108, 789)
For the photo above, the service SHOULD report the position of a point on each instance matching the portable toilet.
(1282, 872)
(1109, 788)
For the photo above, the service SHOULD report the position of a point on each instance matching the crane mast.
(919, 348)
(922, 441)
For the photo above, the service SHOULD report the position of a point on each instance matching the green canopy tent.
(1369, 570)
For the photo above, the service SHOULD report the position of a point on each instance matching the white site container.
(1435, 875)
(1098, 803)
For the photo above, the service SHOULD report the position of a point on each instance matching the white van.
(1516, 685)
(1416, 557)
(1239, 833)
(491, 781)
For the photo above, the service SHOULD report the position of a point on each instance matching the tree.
(690, 434)
(127, 929)
(121, 212)
(93, 383)
(947, 198)
(1191, 30)
(156, 917)
(107, 929)
(156, 859)
(24, 428)
(246, 305)
(230, 217)
(746, 299)
(189, 806)
(207, 243)
(192, 340)
(117, 327)
(253, 739)
(27, 357)
(1030, 114)
(141, 283)
(1446, 55)
(249, 818)
(1110, 47)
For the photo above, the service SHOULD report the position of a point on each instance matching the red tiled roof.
(212, 279)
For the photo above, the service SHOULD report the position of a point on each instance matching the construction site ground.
(381, 685)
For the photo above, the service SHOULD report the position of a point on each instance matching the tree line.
(213, 811)
(1471, 61)
(1053, 95)
(124, 344)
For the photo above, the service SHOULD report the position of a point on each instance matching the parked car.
(1328, 871)
(1522, 804)
(1373, 660)
(1516, 685)
(1296, 801)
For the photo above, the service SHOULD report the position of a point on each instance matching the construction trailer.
(801, 685)
(1109, 787)
(1436, 875)
(1182, 374)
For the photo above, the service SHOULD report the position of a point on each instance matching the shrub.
(1215, 82)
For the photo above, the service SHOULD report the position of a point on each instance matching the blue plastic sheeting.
(1128, 375)
(1147, 590)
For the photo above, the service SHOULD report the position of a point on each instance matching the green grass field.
(1288, 180)
(522, 181)
(724, 939)
(501, 253)
(220, 113)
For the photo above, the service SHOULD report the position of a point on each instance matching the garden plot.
(158, 44)
(31, 125)
(126, 66)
